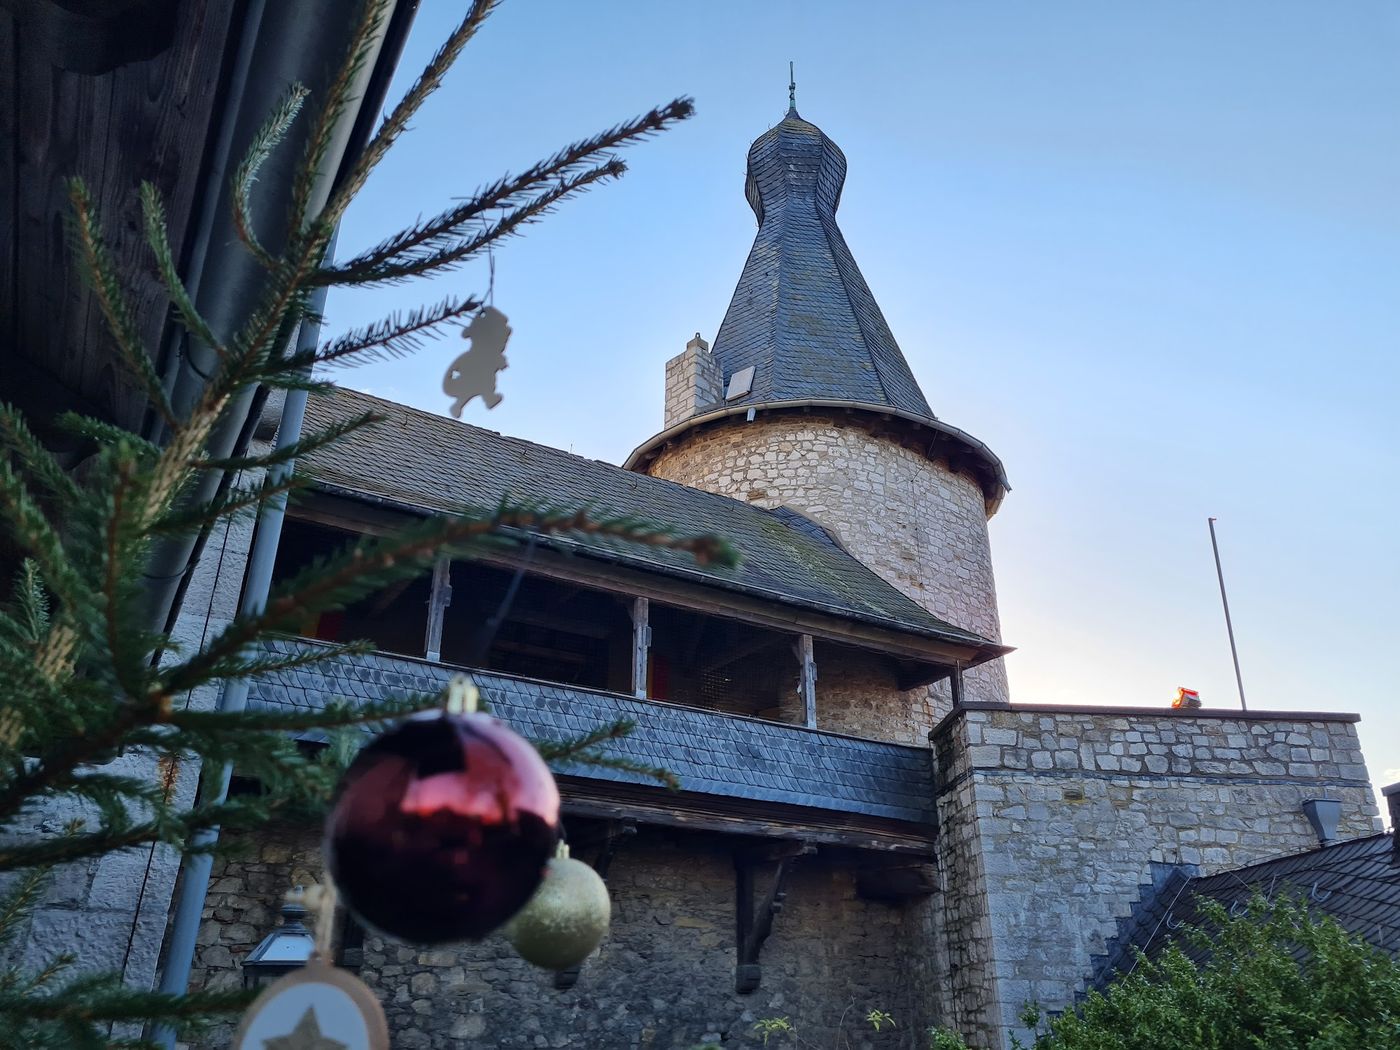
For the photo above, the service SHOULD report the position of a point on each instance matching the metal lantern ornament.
(441, 828)
(311, 1005)
(285, 949)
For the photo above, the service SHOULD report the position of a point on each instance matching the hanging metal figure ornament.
(473, 373)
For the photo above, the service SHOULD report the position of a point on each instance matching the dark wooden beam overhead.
(372, 517)
(149, 119)
(95, 36)
(609, 800)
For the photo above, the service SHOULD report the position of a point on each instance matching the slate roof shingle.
(711, 752)
(802, 313)
(1356, 882)
(431, 463)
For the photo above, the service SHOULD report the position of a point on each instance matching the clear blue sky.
(1149, 252)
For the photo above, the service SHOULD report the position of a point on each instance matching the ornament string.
(463, 697)
(321, 900)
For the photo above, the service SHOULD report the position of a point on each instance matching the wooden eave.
(922, 659)
(695, 811)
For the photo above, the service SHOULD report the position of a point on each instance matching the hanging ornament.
(566, 918)
(441, 828)
(473, 374)
(315, 1007)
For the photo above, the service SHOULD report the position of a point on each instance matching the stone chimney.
(1392, 798)
(693, 382)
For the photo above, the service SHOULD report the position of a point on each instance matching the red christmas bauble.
(441, 828)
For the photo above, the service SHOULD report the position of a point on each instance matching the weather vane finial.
(792, 89)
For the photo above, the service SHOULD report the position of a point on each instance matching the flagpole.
(1229, 627)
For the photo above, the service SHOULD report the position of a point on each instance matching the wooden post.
(439, 598)
(955, 686)
(641, 642)
(807, 680)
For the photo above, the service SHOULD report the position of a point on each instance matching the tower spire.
(792, 90)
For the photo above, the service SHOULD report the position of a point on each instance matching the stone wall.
(857, 694)
(916, 523)
(111, 911)
(1053, 820)
(664, 978)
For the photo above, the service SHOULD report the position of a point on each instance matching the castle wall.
(917, 524)
(664, 978)
(1052, 820)
(858, 694)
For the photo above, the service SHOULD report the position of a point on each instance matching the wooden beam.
(807, 680)
(543, 652)
(893, 884)
(551, 621)
(754, 642)
(641, 642)
(697, 811)
(707, 599)
(439, 598)
(753, 926)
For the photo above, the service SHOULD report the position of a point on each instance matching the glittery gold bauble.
(566, 918)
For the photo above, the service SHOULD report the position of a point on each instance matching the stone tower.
(807, 402)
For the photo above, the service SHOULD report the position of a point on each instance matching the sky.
(1149, 253)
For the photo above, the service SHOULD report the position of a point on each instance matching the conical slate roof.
(802, 314)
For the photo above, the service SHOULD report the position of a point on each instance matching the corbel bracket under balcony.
(753, 925)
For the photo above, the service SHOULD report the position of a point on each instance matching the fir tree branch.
(261, 666)
(328, 717)
(339, 97)
(153, 211)
(267, 139)
(16, 436)
(585, 750)
(111, 298)
(233, 501)
(166, 827)
(456, 251)
(105, 1000)
(445, 230)
(397, 122)
(397, 335)
(38, 538)
(105, 434)
(19, 901)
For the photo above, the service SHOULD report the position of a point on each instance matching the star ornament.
(298, 1010)
(305, 1036)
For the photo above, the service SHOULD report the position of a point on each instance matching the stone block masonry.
(1053, 818)
(693, 381)
(919, 525)
(664, 978)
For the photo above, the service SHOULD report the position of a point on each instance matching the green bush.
(1274, 978)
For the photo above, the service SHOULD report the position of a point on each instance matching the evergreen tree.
(94, 711)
